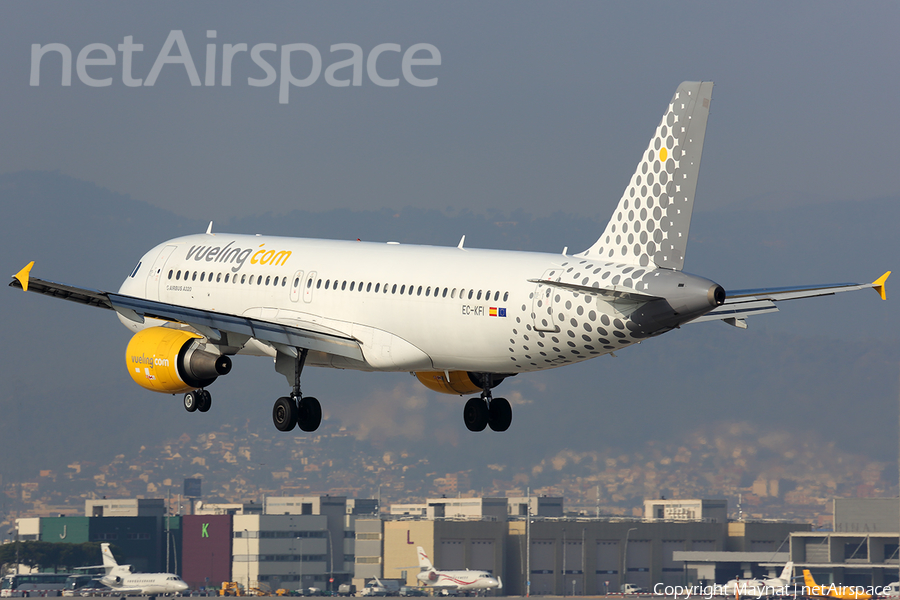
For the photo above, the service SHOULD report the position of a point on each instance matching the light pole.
(625, 558)
(564, 564)
(247, 535)
(528, 548)
(330, 560)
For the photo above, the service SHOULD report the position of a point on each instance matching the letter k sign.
(204, 532)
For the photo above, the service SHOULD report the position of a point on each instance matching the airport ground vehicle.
(407, 591)
(34, 584)
(231, 588)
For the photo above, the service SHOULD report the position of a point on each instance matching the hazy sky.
(542, 106)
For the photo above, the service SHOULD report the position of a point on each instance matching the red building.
(206, 548)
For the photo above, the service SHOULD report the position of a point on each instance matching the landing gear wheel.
(500, 414)
(191, 401)
(204, 400)
(284, 414)
(309, 414)
(475, 414)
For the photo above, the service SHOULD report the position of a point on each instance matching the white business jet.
(123, 581)
(765, 587)
(459, 580)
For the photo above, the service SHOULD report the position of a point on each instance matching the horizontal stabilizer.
(619, 294)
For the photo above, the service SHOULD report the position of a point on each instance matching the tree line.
(52, 556)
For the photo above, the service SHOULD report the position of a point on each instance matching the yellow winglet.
(878, 284)
(23, 275)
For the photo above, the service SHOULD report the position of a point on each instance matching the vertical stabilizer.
(424, 563)
(787, 573)
(651, 223)
(109, 562)
(809, 581)
(108, 559)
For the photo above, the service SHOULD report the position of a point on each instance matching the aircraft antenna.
(462, 241)
(209, 229)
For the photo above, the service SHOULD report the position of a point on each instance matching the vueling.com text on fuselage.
(238, 256)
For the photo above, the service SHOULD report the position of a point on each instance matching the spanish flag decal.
(496, 312)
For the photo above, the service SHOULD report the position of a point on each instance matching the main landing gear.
(197, 400)
(288, 412)
(487, 411)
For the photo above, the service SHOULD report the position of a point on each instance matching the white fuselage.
(412, 308)
(145, 583)
(757, 588)
(461, 580)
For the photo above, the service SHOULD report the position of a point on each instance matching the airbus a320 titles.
(462, 319)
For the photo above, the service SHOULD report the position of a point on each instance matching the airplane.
(122, 581)
(770, 586)
(841, 592)
(464, 580)
(461, 319)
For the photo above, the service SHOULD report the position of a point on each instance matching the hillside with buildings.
(762, 474)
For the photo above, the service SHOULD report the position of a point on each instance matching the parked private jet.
(123, 581)
(464, 580)
(758, 588)
(461, 319)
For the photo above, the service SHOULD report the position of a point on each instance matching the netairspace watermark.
(346, 63)
(752, 591)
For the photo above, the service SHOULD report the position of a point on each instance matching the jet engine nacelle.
(172, 361)
(460, 383)
(427, 577)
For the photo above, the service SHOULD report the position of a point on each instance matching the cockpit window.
(133, 273)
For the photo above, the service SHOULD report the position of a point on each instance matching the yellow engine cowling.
(459, 384)
(171, 361)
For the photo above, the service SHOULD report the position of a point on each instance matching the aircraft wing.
(740, 304)
(209, 323)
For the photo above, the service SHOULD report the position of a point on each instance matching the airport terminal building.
(324, 541)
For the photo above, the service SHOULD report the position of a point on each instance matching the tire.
(500, 414)
(205, 401)
(309, 414)
(284, 414)
(191, 402)
(475, 414)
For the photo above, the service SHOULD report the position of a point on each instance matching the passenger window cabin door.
(542, 303)
(308, 287)
(155, 276)
(296, 282)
